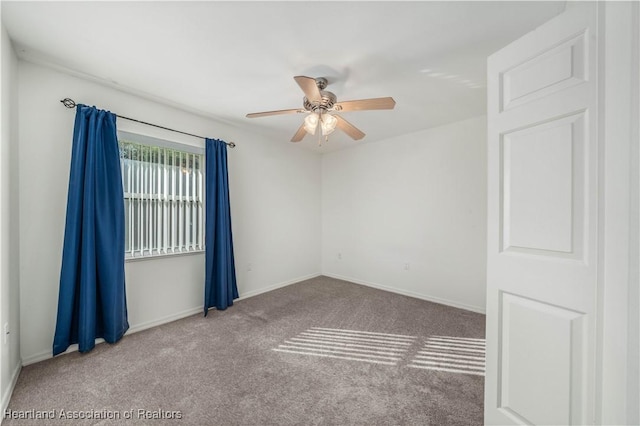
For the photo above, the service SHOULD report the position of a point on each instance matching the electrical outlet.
(249, 267)
(407, 266)
(339, 256)
(6, 332)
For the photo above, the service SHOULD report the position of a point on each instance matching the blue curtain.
(92, 301)
(220, 286)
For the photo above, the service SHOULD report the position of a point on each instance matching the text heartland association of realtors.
(140, 414)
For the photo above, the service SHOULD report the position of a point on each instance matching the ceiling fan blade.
(309, 87)
(348, 128)
(266, 113)
(365, 104)
(299, 134)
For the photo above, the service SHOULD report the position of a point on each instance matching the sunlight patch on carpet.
(352, 345)
(452, 354)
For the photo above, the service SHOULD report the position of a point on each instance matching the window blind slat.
(129, 225)
(139, 201)
(174, 207)
(180, 176)
(158, 204)
(147, 189)
(200, 207)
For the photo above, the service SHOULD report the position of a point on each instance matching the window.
(163, 196)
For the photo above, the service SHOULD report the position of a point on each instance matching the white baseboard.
(45, 355)
(134, 329)
(42, 356)
(6, 396)
(164, 320)
(277, 286)
(480, 310)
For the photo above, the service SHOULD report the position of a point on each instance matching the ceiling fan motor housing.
(327, 100)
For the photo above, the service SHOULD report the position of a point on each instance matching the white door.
(542, 230)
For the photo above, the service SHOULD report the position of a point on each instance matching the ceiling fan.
(322, 105)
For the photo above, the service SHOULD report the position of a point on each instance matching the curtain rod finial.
(232, 145)
(69, 103)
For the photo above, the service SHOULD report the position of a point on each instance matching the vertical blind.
(163, 199)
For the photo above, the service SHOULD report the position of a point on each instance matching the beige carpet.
(320, 352)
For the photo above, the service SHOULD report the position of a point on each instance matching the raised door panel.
(540, 345)
(543, 188)
(551, 70)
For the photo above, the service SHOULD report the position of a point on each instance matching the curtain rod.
(69, 103)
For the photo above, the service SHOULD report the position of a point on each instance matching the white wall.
(275, 202)
(417, 199)
(9, 285)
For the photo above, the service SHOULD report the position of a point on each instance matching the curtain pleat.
(220, 273)
(92, 299)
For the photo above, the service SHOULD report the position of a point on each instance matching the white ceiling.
(226, 59)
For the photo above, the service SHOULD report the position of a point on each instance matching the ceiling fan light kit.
(311, 123)
(322, 105)
(326, 121)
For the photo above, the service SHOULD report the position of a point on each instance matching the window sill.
(161, 256)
